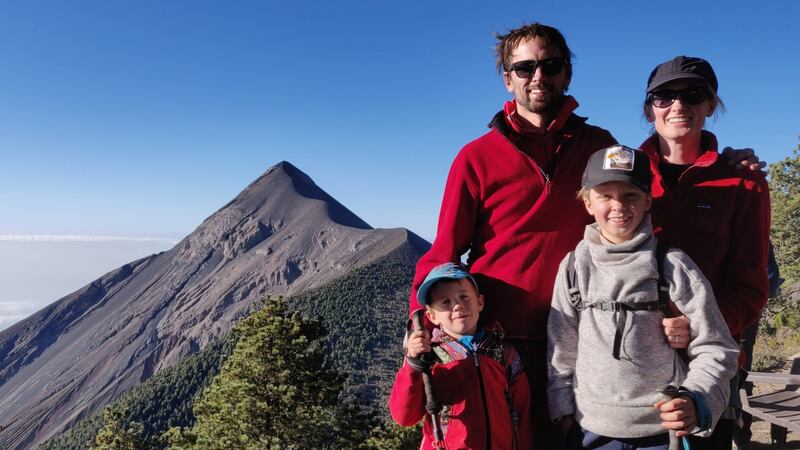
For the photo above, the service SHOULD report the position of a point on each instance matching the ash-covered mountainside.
(282, 234)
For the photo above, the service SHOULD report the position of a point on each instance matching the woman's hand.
(677, 331)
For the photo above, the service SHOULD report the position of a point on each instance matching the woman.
(717, 214)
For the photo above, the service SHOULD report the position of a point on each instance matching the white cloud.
(43, 271)
(79, 238)
(12, 312)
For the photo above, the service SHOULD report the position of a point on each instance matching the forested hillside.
(159, 403)
(779, 329)
(276, 391)
(785, 196)
(364, 312)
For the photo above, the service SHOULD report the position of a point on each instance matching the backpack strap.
(663, 287)
(662, 304)
(622, 310)
(572, 283)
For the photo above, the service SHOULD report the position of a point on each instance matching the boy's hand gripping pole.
(432, 406)
(669, 393)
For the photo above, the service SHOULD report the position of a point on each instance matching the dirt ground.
(761, 438)
(761, 430)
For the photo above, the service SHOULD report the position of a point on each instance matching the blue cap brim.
(447, 271)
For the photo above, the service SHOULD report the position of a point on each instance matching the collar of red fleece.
(521, 126)
(708, 143)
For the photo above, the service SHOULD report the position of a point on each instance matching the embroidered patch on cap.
(620, 158)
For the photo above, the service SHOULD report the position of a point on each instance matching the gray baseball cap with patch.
(618, 163)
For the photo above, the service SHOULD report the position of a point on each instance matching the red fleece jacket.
(485, 395)
(720, 217)
(517, 219)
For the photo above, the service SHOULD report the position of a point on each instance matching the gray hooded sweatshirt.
(613, 397)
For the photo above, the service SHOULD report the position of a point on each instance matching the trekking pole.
(669, 393)
(432, 406)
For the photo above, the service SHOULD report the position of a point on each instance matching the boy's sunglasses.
(690, 96)
(525, 69)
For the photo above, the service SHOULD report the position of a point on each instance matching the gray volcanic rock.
(282, 234)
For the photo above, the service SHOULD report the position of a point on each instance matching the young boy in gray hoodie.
(608, 353)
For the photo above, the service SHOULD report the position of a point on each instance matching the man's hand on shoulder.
(742, 158)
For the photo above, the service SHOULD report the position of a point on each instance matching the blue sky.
(122, 118)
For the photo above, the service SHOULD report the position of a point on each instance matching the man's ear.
(507, 82)
(649, 202)
(480, 302)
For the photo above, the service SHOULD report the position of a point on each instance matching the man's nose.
(537, 74)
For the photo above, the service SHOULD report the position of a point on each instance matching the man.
(510, 199)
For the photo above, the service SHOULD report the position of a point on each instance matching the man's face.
(539, 94)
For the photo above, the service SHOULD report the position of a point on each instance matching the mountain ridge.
(281, 235)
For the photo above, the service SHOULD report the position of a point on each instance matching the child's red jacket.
(485, 394)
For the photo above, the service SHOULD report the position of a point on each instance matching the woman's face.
(681, 121)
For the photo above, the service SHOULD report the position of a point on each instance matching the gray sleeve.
(713, 353)
(562, 348)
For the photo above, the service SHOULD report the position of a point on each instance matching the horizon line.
(80, 238)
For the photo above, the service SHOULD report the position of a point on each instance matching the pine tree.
(274, 392)
(390, 436)
(785, 198)
(117, 433)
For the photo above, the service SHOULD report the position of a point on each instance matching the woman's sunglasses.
(690, 96)
(525, 69)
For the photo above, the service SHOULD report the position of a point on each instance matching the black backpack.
(662, 304)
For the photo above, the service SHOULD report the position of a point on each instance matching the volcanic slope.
(281, 235)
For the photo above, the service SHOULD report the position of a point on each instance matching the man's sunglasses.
(690, 96)
(525, 69)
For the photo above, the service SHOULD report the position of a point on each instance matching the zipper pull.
(547, 185)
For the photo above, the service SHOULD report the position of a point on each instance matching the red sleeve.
(457, 222)
(745, 287)
(407, 400)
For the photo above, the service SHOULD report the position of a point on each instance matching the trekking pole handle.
(669, 393)
(431, 406)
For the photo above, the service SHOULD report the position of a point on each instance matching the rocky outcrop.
(282, 235)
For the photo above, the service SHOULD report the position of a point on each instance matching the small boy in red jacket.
(476, 376)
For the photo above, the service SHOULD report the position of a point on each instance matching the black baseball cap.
(618, 163)
(682, 67)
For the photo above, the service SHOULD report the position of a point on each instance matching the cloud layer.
(78, 238)
(12, 311)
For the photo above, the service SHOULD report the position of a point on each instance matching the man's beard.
(547, 104)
